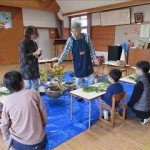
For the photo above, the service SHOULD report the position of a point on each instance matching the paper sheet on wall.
(115, 17)
(133, 30)
(145, 31)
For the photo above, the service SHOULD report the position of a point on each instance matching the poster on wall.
(133, 30)
(145, 31)
(5, 20)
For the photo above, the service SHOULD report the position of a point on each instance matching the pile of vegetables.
(58, 73)
(100, 88)
(43, 75)
(48, 67)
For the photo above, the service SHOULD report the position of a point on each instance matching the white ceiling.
(75, 5)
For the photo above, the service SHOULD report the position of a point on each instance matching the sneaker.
(80, 99)
(105, 113)
(144, 121)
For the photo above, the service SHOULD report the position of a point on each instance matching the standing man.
(29, 54)
(83, 52)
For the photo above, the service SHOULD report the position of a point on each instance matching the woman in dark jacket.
(140, 100)
(29, 54)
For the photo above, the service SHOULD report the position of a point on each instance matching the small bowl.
(53, 91)
(70, 85)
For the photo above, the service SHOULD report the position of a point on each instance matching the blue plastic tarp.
(60, 127)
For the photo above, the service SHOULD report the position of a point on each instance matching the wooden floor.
(132, 136)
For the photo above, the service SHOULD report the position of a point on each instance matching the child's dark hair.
(12, 81)
(144, 66)
(115, 74)
(31, 30)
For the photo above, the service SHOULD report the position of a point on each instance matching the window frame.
(88, 27)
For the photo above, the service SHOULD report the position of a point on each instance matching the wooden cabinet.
(136, 55)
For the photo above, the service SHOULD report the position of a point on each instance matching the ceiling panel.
(75, 5)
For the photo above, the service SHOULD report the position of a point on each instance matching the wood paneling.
(136, 55)
(110, 7)
(66, 33)
(53, 33)
(60, 49)
(10, 38)
(50, 5)
(102, 37)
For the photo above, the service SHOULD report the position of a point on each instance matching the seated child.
(140, 100)
(23, 117)
(115, 88)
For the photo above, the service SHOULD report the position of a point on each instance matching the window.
(83, 20)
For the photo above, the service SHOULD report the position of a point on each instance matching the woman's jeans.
(18, 146)
(31, 84)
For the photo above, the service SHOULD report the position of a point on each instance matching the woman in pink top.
(23, 116)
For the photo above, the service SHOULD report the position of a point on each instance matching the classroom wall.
(39, 18)
(145, 9)
(119, 35)
(66, 22)
(9, 38)
(99, 34)
(45, 21)
(102, 36)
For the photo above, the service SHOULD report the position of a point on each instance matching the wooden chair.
(116, 98)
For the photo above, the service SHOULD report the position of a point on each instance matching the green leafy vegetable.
(133, 77)
(89, 89)
(100, 88)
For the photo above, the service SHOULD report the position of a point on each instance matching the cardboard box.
(141, 44)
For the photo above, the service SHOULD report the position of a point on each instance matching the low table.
(114, 65)
(88, 97)
(51, 61)
(128, 80)
(3, 98)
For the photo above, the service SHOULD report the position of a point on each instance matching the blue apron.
(81, 58)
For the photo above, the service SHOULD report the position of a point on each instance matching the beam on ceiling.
(109, 7)
(49, 5)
